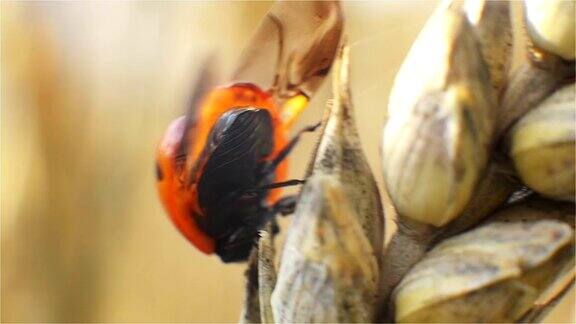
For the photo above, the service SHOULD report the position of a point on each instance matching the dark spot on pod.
(159, 174)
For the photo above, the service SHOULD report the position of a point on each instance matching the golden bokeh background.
(87, 90)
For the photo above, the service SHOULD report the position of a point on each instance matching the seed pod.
(412, 239)
(492, 22)
(328, 271)
(550, 25)
(437, 138)
(493, 273)
(330, 266)
(493, 190)
(339, 153)
(542, 145)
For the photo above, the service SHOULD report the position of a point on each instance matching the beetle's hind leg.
(285, 205)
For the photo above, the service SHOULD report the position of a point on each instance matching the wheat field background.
(87, 90)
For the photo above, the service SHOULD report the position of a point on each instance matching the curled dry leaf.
(493, 273)
(437, 139)
(295, 45)
(328, 270)
(542, 145)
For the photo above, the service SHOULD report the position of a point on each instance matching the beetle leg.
(274, 225)
(237, 245)
(285, 205)
(271, 167)
(255, 193)
(289, 183)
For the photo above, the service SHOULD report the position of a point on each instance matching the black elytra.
(236, 178)
(234, 154)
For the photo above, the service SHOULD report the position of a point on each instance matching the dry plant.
(479, 167)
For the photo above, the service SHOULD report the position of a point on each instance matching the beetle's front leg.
(270, 167)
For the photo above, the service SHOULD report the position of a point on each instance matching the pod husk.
(542, 145)
(437, 139)
(471, 37)
(339, 153)
(493, 273)
(329, 270)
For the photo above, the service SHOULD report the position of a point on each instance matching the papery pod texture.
(328, 271)
(542, 145)
(493, 273)
(493, 190)
(441, 114)
(339, 153)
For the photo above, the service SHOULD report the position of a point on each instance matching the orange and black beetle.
(219, 167)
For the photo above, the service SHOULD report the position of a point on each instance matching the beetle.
(219, 168)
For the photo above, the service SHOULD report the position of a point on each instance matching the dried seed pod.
(339, 153)
(550, 25)
(412, 239)
(550, 64)
(328, 270)
(493, 273)
(437, 138)
(542, 145)
(493, 24)
(493, 190)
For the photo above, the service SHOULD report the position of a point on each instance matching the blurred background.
(87, 90)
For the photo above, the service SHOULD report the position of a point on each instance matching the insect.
(219, 168)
